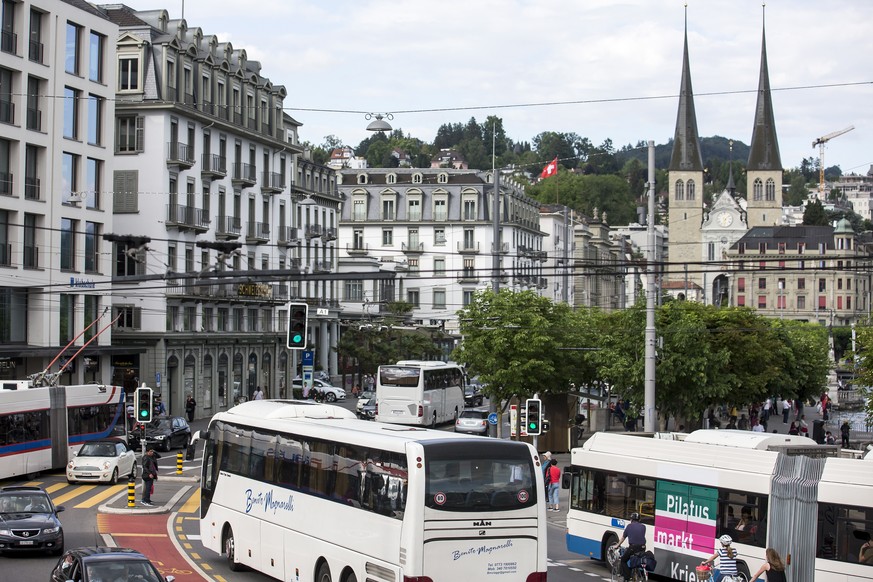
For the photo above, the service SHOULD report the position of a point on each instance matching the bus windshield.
(399, 376)
(480, 478)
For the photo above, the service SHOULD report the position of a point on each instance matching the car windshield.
(24, 503)
(97, 450)
(368, 394)
(161, 424)
(127, 570)
(477, 414)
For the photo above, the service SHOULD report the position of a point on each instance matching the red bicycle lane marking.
(148, 535)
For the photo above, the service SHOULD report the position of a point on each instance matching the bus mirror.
(189, 452)
(565, 479)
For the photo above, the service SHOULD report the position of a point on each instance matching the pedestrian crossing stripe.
(68, 495)
(101, 497)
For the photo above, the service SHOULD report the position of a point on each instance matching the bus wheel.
(230, 549)
(323, 573)
(351, 577)
(742, 572)
(608, 542)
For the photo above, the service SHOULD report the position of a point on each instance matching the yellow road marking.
(103, 495)
(33, 484)
(220, 578)
(205, 566)
(74, 493)
(102, 525)
(178, 519)
(55, 487)
(179, 528)
(192, 504)
(195, 555)
(187, 546)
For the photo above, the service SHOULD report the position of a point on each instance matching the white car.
(102, 461)
(331, 393)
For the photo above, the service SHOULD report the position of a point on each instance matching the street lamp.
(379, 124)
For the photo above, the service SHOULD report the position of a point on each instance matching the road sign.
(308, 358)
(492, 418)
(157, 379)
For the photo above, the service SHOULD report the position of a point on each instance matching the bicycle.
(613, 556)
(705, 573)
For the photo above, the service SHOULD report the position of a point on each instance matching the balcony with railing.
(314, 231)
(287, 236)
(468, 247)
(329, 234)
(321, 266)
(228, 227)
(35, 50)
(172, 93)
(468, 276)
(237, 118)
(31, 257)
(360, 249)
(34, 119)
(258, 232)
(252, 124)
(5, 255)
(5, 184)
(189, 100)
(244, 174)
(500, 248)
(180, 155)
(7, 110)
(295, 265)
(542, 283)
(187, 218)
(9, 42)
(412, 248)
(213, 166)
(272, 182)
(32, 189)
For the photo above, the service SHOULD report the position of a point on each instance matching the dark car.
(106, 565)
(472, 395)
(163, 433)
(367, 411)
(29, 521)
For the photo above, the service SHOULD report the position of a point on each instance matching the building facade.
(433, 229)
(57, 84)
(236, 221)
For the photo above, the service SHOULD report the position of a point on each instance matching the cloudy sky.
(613, 65)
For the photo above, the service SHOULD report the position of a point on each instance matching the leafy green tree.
(814, 214)
(797, 190)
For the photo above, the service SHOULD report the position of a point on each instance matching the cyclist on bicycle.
(635, 534)
(727, 559)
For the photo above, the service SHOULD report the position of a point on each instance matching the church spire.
(686, 143)
(731, 186)
(764, 151)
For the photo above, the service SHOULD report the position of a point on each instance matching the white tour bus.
(40, 427)
(764, 490)
(422, 393)
(303, 491)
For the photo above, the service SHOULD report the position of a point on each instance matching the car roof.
(106, 554)
(104, 441)
(22, 488)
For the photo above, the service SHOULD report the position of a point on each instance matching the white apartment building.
(57, 82)
(431, 230)
(209, 168)
(556, 222)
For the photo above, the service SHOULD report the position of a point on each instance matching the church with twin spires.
(700, 236)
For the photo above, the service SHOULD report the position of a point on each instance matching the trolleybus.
(304, 491)
(40, 427)
(763, 490)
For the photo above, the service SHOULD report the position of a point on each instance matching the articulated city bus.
(422, 393)
(304, 491)
(40, 427)
(815, 511)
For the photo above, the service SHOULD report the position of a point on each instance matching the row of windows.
(23, 427)
(362, 477)
(354, 292)
(191, 318)
(782, 302)
(781, 284)
(781, 247)
(391, 178)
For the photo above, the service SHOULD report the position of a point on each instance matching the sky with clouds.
(612, 65)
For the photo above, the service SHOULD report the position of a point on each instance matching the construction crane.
(820, 142)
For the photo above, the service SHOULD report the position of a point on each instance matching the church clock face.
(725, 219)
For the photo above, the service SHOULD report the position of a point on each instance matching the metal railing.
(35, 51)
(214, 163)
(181, 153)
(31, 189)
(31, 257)
(244, 173)
(229, 225)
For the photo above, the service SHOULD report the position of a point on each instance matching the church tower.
(685, 176)
(764, 170)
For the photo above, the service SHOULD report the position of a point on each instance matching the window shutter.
(137, 318)
(125, 190)
(140, 133)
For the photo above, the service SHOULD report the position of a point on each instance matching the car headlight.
(51, 530)
(106, 465)
(71, 465)
(161, 437)
(5, 532)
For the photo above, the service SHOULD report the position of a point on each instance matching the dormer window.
(362, 178)
(442, 178)
(416, 178)
(391, 179)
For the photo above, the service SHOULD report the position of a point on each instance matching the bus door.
(58, 425)
(685, 527)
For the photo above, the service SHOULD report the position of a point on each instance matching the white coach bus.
(763, 490)
(422, 393)
(306, 492)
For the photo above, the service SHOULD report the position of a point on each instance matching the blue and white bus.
(764, 490)
(40, 427)
(304, 491)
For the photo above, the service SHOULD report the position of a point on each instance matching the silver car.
(472, 421)
(331, 393)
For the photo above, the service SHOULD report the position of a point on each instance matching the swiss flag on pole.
(551, 169)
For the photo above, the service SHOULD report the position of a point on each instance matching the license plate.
(85, 474)
(396, 412)
(26, 543)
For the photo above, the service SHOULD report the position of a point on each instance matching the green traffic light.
(296, 338)
(533, 425)
(143, 413)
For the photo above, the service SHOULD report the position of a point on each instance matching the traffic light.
(143, 409)
(298, 317)
(534, 411)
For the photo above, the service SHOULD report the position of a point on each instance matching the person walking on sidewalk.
(190, 407)
(554, 485)
(786, 410)
(149, 475)
(844, 433)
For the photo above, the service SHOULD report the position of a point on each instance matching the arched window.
(362, 178)
(771, 190)
(689, 190)
(391, 179)
(757, 189)
(443, 178)
(680, 190)
(416, 178)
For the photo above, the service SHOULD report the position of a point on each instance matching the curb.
(140, 510)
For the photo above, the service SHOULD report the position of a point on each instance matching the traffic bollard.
(179, 458)
(131, 492)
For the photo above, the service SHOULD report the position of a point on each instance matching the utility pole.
(495, 215)
(649, 392)
(568, 232)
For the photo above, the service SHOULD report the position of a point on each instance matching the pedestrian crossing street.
(89, 496)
